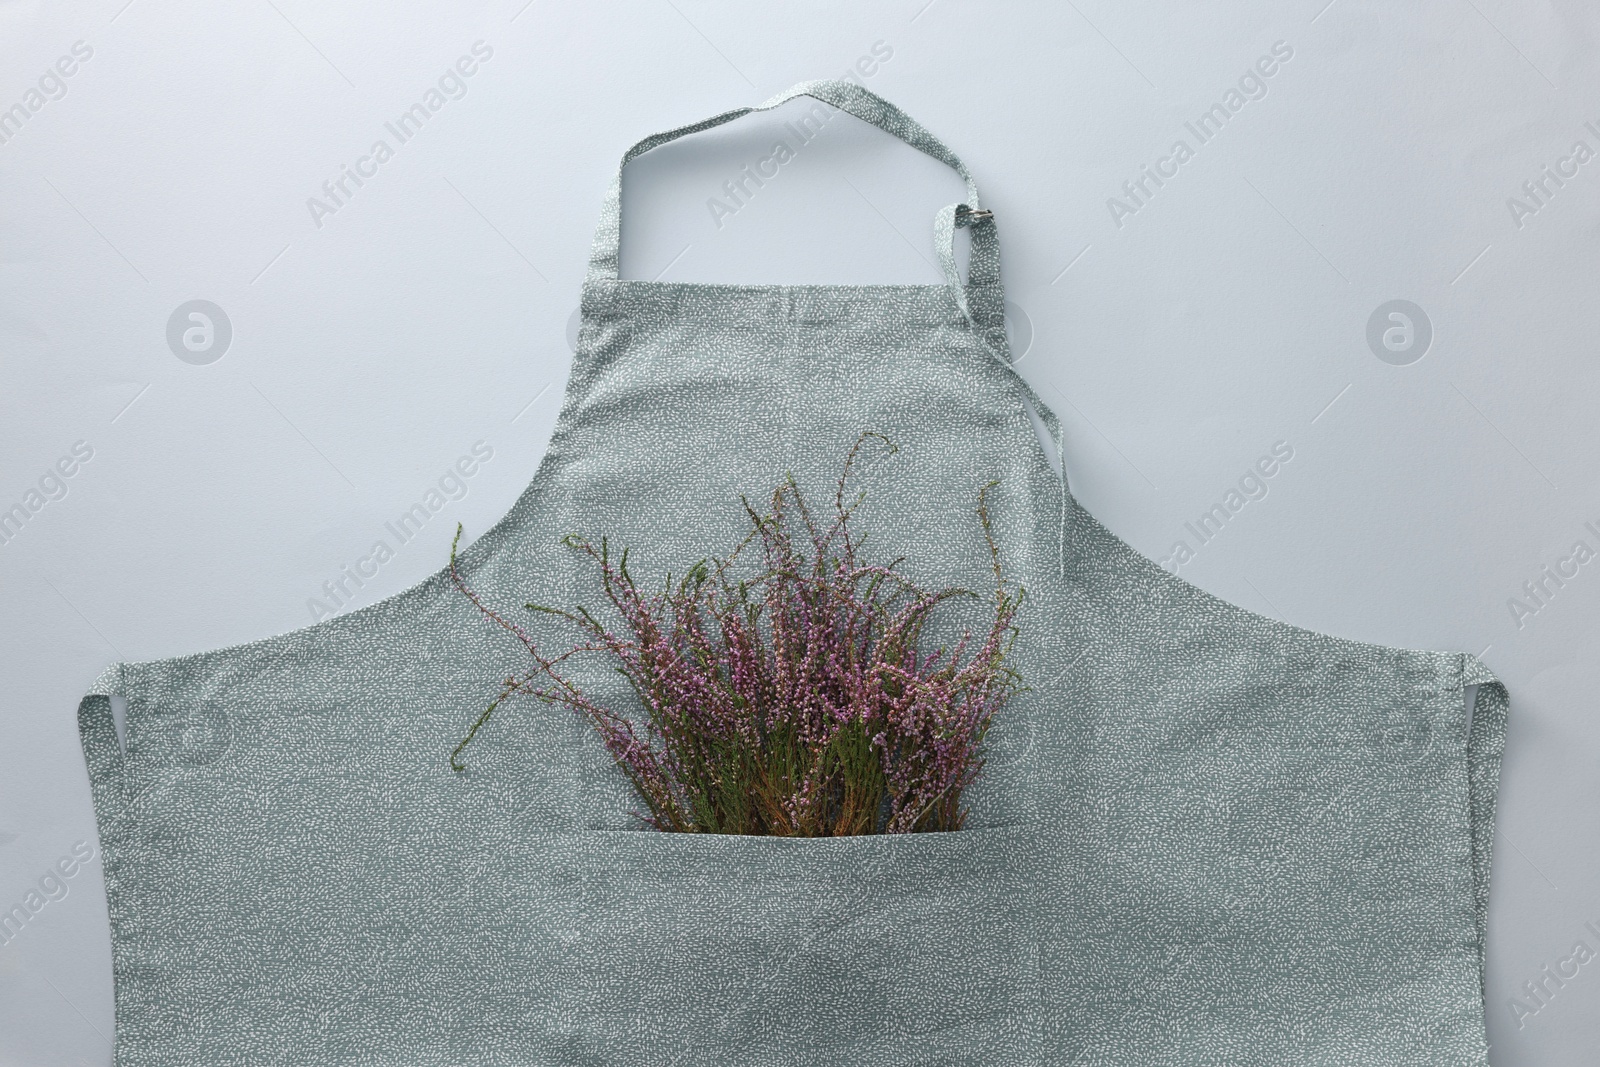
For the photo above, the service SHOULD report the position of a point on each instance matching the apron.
(1203, 836)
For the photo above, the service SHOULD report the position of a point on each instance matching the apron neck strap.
(867, 106)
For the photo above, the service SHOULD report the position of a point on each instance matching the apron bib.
(1203, 836)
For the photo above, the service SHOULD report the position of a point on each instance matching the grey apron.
(1204, 836)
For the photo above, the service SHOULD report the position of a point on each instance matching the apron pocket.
(696, 948)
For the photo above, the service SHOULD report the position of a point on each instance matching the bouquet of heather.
(794, 700)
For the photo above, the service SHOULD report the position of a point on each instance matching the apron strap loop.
(983, 271)
(1486, 743)
(104, 755)
(846, 96)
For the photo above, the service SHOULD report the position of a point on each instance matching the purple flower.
(786, 694)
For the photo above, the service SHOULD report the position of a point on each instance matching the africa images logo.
(1251, 85)
(1399, 332)
(738, 189)
(1538, 191)
(340, 592)
(451, 85)
(50, 487)
(50, 86)
(1251, 485)
(52, 886)
(199, 332)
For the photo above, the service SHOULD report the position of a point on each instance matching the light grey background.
(1226, 313)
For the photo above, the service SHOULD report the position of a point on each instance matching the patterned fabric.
(1204, 836)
